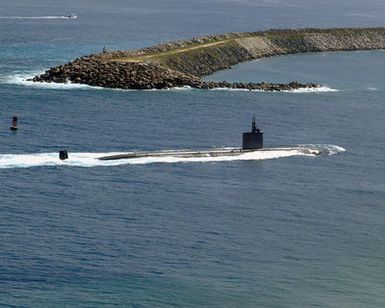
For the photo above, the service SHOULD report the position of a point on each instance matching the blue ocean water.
(296, 231)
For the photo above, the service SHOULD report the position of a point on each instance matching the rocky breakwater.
(261, 86)
(183, 63)
(122, 75)
(144, 75)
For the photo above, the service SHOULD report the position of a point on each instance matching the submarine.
(251, 141)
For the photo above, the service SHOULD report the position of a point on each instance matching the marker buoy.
(63, 155)
(14, 124)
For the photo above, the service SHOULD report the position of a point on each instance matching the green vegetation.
(182, 63)
(202, 56)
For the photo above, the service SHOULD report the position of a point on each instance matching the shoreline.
(183, 63)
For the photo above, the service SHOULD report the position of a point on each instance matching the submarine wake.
(9, 161)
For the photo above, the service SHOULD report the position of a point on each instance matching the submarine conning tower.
(254, 139)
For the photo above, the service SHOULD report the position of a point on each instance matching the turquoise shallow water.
(297, 231)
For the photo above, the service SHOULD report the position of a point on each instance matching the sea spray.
(24, 79)
(91, 159)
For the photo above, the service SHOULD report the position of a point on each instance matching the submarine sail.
(253, 140)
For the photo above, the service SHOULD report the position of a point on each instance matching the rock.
(186, 68)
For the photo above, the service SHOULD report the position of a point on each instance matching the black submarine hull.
(192, 154)
(252, 141)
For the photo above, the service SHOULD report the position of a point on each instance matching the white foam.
(40, 17)
(312, 90)
(91, 159)
(22, 79)
(321, 149)
(184, 88)
(301, 90)
(236, 89)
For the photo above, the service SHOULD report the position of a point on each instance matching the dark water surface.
(297, 231)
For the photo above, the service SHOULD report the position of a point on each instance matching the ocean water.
(285, 230)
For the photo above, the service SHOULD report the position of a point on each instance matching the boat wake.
(8, 161)
(72, 16)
